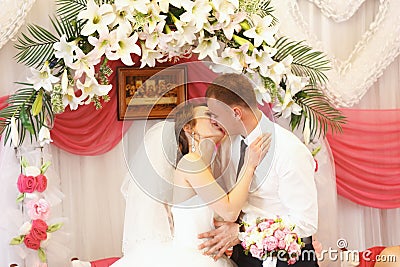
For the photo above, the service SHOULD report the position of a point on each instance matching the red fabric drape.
(3, 101)
(367, 157)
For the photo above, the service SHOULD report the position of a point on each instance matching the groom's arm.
(220, 239)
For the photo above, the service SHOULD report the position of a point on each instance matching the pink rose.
(294, 248)
(279, 234)
(31, 242)
(39, 228)
(270, 243)
(26, 184)
(281, 244)
(291, 261)
(39, 209)
(256, 252)
(264, 225)
(41, 183)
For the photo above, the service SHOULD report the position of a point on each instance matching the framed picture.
(150, 93)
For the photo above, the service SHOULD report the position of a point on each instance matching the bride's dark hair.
(184, 115)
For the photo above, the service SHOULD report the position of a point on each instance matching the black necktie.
(243, 147)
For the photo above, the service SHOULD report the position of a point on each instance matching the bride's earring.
(193, 146)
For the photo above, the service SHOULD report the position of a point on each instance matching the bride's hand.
(258, 149)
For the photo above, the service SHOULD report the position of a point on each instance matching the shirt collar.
(255, 133)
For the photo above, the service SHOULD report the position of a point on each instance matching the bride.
(196, 195)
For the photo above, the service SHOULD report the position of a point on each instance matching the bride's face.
(204, 127)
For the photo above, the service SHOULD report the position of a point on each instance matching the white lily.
(104, 43)
(149, 57)
(197, 12)
(260, 59)
(43, 78)
(229, 57)
(288, 106)
(154, 18)
(44, 136)
(85, 63)
(14, 132)
(207, 47)
(153, 38)
(233, 25)
(70, 99)
(261, 30)
(98, 17)
(307, 131)
(164, 5)
(186, 31)
(180, 3)
(124, 48)
(296, 83)
(64, 82)
(224, 9)
(262, 94)
(123, 18)
(174, 47)
(91, 87)
(134, 5)
(65, 50)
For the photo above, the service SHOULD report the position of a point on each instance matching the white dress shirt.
(283, 184)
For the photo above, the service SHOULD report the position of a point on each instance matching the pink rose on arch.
(256, 252)
(39, 229)
(279, 234)
(39, 209)
(31, 242)
(41, 183)
(270, 243)
(26, 184)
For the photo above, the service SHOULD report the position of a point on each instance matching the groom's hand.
(220, 239)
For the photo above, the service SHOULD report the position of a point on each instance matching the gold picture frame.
(150, 93)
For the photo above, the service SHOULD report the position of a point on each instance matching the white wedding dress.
(181, 250)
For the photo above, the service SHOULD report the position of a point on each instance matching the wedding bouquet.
(267, 238)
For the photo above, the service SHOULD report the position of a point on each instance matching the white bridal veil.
(148, 186)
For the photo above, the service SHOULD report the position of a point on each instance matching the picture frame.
(150, 93)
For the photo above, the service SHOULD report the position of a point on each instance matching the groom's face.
(224, 116)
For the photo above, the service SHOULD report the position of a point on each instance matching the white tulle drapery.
(94, 204)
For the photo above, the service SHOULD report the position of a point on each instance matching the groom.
(283, 183)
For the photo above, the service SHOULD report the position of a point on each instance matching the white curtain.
(95, 207)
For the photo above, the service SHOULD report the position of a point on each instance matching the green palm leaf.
(37, 48)
(306, 62)
(69, 9)
(317, 108)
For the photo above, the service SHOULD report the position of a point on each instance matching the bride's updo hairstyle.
(184, 115)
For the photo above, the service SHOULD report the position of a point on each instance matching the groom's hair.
(233, 89)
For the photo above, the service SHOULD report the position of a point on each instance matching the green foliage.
(69, 9)
(37, 48)
(20, 107)
(306, 61)
(260, 7)
(317, 108)
(17, 240)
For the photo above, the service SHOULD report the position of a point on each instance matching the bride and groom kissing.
(232, 163)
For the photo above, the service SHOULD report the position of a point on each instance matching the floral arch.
(72, 66)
